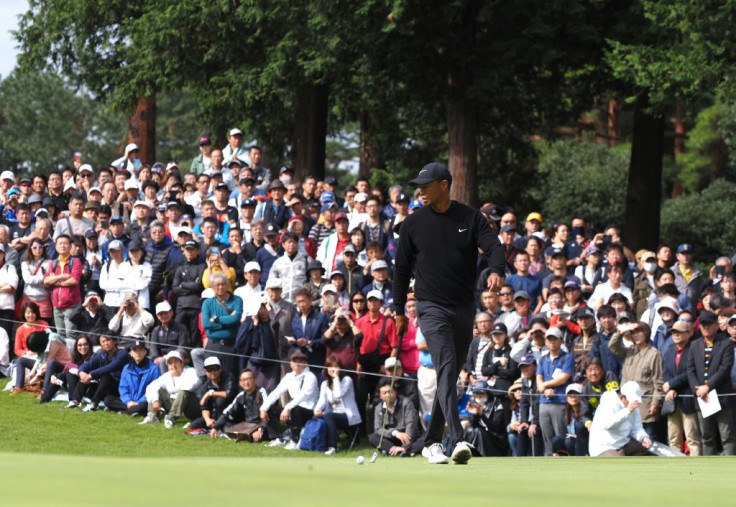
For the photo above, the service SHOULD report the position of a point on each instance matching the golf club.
(385, 412)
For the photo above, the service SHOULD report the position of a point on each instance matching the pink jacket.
(66, 297)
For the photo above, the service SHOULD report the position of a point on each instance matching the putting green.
(36, 479)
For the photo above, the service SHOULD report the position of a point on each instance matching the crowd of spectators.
(244, 302)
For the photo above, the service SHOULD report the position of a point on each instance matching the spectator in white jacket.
(175, 391)
(301, 384)
(290, 268)
(617, 428)
(337, 405)
(116, 275)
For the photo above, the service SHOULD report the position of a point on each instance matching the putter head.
(374, 457)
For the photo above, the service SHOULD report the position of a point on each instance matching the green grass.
(59, 457)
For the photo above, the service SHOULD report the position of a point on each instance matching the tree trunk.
(614, 133)
(644, 190)
(142, 128)
(310, 131)
(462, 116)
(368, 160)
(462, 129)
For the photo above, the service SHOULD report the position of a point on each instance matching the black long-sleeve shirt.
(442, 250)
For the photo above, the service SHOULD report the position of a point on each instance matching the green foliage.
(697, 162)
(703, 219)
(581, 178)
(177, 128)
(43, 121)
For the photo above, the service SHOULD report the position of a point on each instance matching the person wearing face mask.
(644, 283)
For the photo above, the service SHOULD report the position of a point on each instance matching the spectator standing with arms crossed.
(440, 242)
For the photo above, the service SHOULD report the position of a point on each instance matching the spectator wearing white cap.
(252, 272)
(167, 336)
(281, 313)
(555, 373)
(216, 392)
(130, 161)
(116, 275)
(174, 392)
(235, 150)
(140, 222)
(381, 282)
(617, 429)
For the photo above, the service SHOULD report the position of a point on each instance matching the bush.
(704, 219)
(581, 178)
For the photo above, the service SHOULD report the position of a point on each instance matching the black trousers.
(224, 350)
(114, 403)
(415, 447)
(189, 318)
(6, 322)
(107, 385)
(448, 332)
(298, 417)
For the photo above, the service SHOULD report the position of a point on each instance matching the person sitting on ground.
(617, 428)
(134, 380)
(301, 384)
(337, 404)
(575, 441)
(105, 367)
(50, 350)
(245, 408)
(215, 393)
(174, 392)
(486, 432)
(597, 381)
(69, 375)
(401, 433)
(26, 358)
(92, 318)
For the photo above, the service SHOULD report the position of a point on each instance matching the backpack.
(314, 436)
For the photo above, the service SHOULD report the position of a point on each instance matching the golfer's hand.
(646, 443)
(495, 281)
(532, 430)
(402, 323)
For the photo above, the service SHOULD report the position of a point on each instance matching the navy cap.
(191, 244)
(222, 186)
(586, 311)
(116, 219)
(572, 284)
(271, 230)
(331, 180)
(556, 252)
(499, 328)
(432, 172)
(527, 358)
(508, 228)
(402, 198)
(707, 317)
(685, 248)
(480, 387)
(236, 162)
(248, 203)
(90, 234)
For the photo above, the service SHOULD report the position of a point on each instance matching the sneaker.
(168, 422)
(291, 446)
(330, 451)
(72, 404)
(461, 454)
(276, 442)
(91, 407)
(149, 419)
(436, 455)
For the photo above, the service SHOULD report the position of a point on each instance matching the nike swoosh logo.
(461, 230)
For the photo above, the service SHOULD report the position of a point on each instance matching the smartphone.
(104, 224)
(290, 339)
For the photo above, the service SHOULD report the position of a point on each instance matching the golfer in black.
(439, 243)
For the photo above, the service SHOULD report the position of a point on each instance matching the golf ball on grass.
(360, 460)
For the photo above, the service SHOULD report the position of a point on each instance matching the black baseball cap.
(432, 172)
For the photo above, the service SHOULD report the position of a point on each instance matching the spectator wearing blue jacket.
(104, 367)
(308, 327)
(134, 379)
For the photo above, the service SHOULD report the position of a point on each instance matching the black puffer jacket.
(157, 254)
(187, 285)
